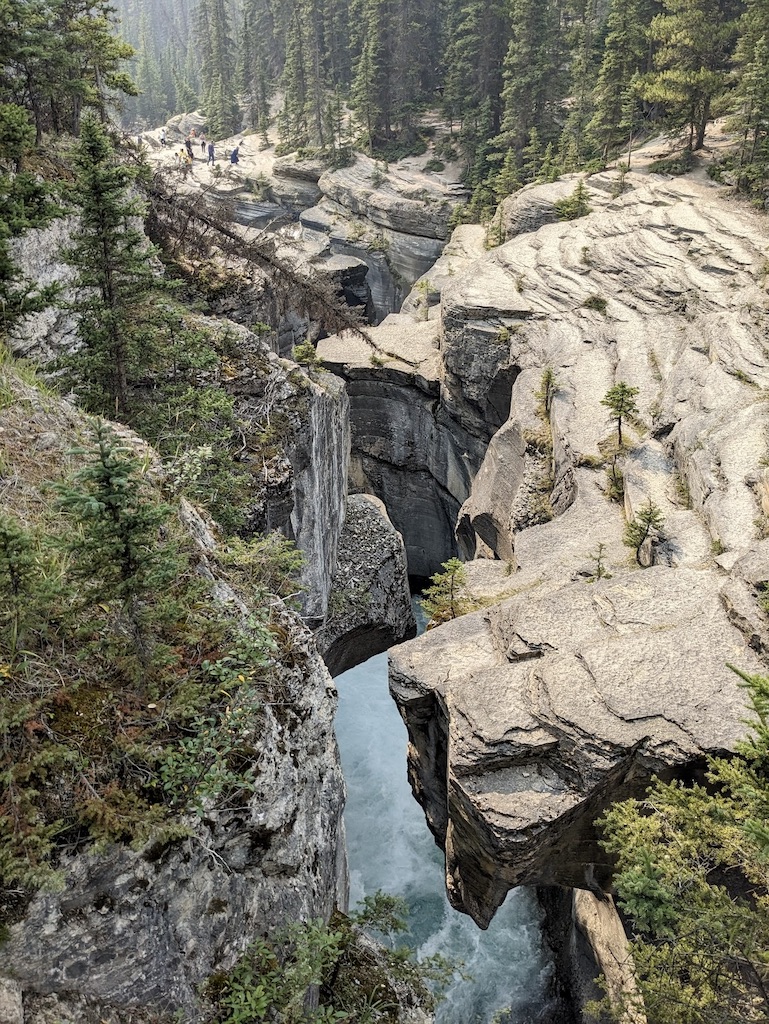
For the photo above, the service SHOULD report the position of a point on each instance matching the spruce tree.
(111, 256)
(691, 878)
(20, 587)
(370, 87)
(253, 65)
(117, 552)
(477, 38)
(446, 598)
(534, 78)
(620, 401)
(624, 55)
(294, 123)
(690, 63)
(218, 60)
(752, 117)
(583, 73)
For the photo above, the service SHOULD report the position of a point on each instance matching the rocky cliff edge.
(586, 673)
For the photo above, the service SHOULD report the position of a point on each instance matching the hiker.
(210, 152)
(234, 156)
(188, 147)
(203, 144)
(162, 136)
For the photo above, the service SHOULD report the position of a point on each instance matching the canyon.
(570, 686)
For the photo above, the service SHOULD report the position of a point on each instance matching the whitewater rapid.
(390, 848)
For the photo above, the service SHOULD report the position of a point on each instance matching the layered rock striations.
(139, 930)
(373, 228)
(587, 674)
(405, 449)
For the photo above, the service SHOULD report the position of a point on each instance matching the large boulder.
(370, 602)
(526, 721)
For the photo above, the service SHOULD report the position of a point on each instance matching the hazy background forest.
(531, 88)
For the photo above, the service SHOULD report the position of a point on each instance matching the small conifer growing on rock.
(648, 520)
(620, 401)
(446, 598)
(574, 206)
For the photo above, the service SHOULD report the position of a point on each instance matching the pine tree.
(294, 120)
(24, 203)
(690, 63)
(531, 157)
(620, 401)
(253, 67)
(647, 521)
(370, 87)
(583, 48)
(112, 258)
(151, 104)
(507, 180)
(22, 595)
(533, 71)
(218, 60)
(752, 117)
(691, 877)
(117, 553)
(446, 597)
(477, 39)
(624, 55)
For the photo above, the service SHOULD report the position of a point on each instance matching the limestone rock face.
(144, 928)
(370, 605)
(37, 254)
(528, 720)
(589, 674)
(136, 931)
(396, 220)
(467, 244)
(405, 449)
(319, 456)
(402, 200)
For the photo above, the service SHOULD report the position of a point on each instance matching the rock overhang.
(555, 702)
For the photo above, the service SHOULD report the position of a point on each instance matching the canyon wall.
(585, 673)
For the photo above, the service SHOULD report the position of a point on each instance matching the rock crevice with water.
(586, 674)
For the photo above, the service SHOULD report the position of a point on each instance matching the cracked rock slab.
(513, 759)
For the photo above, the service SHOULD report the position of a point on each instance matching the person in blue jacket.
(234, 157)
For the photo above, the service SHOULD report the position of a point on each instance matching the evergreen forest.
(530, 88)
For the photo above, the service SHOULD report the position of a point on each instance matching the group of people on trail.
(185, 157)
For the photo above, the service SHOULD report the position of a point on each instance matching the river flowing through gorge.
(390, 848)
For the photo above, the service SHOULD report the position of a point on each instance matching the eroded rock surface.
(144, 928)
(139, 930)
(370, 602)
(589, 674)
(404, 448)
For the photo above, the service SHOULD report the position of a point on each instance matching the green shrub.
(681, 163)
(596, 302)
(574, 206)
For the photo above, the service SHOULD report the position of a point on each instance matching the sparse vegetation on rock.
(446, 598)
(691, 873)
(646, 524)
(620, 401)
